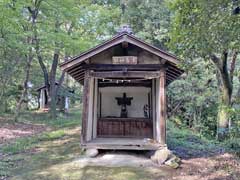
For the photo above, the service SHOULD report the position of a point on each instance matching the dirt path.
(223, 166)
(220, 167)
(10, 130)
(205, 161)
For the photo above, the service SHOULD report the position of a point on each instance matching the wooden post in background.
(85, 104)
(162, 108)
(42, 99)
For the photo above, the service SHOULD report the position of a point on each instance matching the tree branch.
(216, 60)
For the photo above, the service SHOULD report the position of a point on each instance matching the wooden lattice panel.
(124, 127)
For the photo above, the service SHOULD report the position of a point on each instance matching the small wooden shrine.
(124, 98)
(63, 97)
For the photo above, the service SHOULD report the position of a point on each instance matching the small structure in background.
(63, 98)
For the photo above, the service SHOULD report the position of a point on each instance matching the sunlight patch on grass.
(106, 173)
(63, 120)
(23, 144)
(52, 135)
(72, 171)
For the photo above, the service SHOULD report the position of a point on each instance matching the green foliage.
(234, 141)
(202, 27)
(82, 25)
(199, 30)
(192, 101)
(189, 142)
(149, 20)
(192, 29)
(12, 50)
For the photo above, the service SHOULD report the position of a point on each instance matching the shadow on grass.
(58, 159)
(49, 152)
(187, 144)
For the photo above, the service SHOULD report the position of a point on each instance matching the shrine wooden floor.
(123, 143)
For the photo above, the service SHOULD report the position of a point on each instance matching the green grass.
(190, 142)
(63, 120)
(53, 154)
(57, 129)
(58, 144)
(23, 144)
(71, 172)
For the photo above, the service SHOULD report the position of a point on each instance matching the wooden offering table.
(124, 127)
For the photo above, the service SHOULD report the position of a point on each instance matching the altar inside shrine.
(125, 111)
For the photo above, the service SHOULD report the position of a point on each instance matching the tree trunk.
(225, 94)
(237, 99)
(53, 87)
(60, 82)
(41, 63)
(25, 85)
(223, 113)
(32, 19)
(43, 67)
(34, 13)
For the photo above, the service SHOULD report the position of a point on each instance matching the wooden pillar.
(89, 128)
(95, 108)
(85, 104)
(162, 106)
(154, 107)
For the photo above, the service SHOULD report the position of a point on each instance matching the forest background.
(37, 35)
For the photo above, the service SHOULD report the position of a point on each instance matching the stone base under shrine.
(123, 144)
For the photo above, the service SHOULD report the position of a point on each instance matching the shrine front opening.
(125, 108)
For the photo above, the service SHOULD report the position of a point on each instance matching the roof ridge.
(131, 39)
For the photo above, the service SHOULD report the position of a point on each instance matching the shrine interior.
(124, 108)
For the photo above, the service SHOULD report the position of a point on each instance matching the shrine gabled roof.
(123, 37)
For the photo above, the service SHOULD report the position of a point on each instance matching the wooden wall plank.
(125, 127)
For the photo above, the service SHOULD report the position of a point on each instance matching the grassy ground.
(52, 154)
